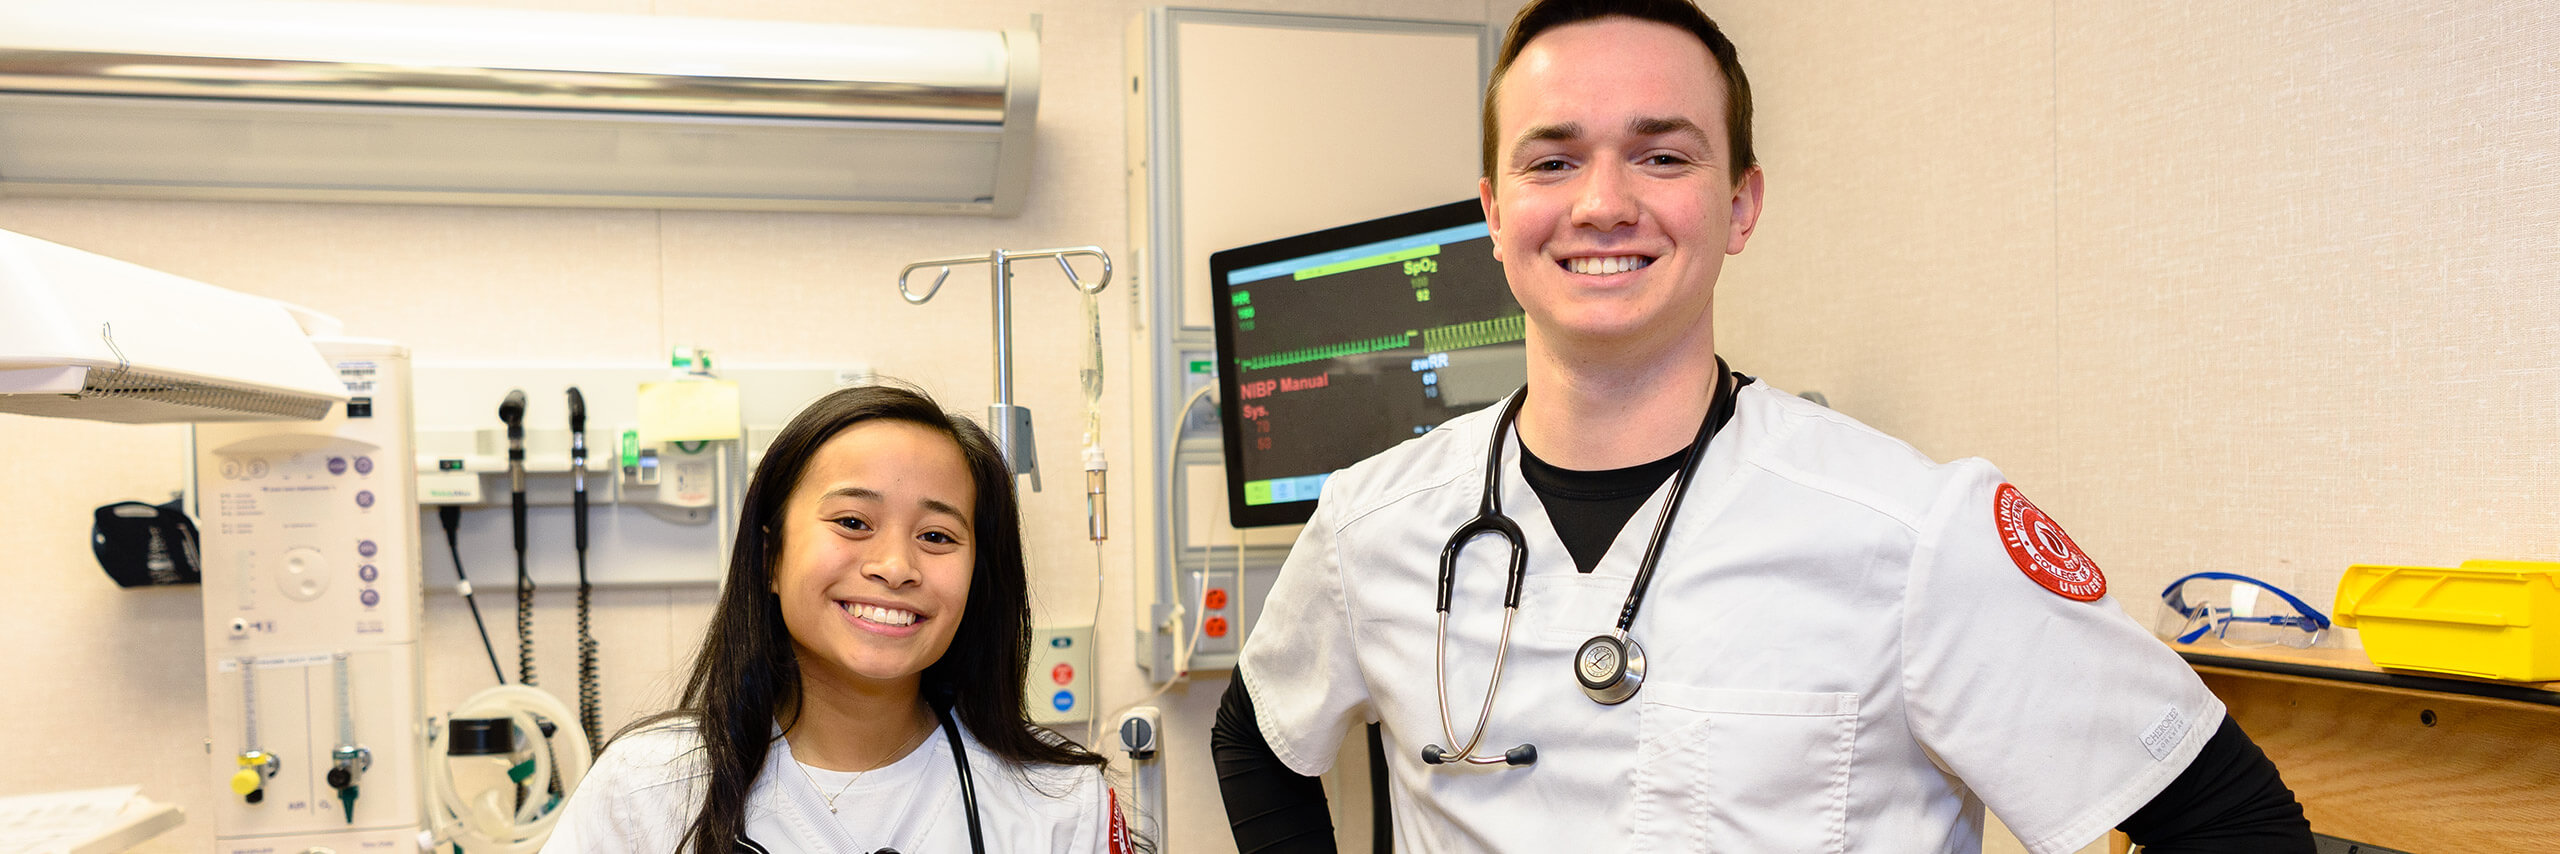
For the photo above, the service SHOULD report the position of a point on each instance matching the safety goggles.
(2238, 610)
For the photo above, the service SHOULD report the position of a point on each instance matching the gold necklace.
(902, 750)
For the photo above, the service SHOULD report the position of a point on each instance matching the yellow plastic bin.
(2494, 619)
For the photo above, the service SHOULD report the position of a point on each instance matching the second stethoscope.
(1610, 667)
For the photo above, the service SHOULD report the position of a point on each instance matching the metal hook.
(1078, 281)
(911, 297)
(107, 333)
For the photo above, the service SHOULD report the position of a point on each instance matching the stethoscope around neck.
(968, 791)
(1609, 667)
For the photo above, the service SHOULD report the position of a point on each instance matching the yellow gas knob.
(248, 780)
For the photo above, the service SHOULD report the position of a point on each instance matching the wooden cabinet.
(2412, 762)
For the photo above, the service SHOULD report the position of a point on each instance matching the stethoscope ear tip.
(1526, 754)
(1433, 755)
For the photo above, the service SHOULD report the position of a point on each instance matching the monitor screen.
(1338, 344)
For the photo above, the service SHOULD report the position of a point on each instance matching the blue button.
(1064, 701)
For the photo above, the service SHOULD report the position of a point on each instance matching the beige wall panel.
(449, 282)
(1904, 264)
(2304, 267)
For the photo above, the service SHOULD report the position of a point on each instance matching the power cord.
(1184, 644)
(451, 516)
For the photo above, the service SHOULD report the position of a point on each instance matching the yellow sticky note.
(688, 411)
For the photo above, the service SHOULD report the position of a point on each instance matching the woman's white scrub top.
(647, 787)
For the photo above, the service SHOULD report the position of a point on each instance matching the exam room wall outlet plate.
(1058, 688)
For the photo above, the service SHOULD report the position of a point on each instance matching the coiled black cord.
(511, 411)
(590, 696)
(524, 619)
(590, 705)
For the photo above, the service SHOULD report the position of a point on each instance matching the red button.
(1216, 627)
(1063, 673)
(1217, 598)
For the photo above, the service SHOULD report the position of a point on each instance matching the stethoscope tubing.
(968, 788)
(1489, 519)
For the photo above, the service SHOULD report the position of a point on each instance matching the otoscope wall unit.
(659, 485)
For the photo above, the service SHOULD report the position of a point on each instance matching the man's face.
(1611, 204)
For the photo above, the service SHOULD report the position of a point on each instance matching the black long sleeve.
(1271, 809)
(2230, 799)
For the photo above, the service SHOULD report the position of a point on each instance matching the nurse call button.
(1063, 673)
(1064, 700)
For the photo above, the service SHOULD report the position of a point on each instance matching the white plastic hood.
(90, 337)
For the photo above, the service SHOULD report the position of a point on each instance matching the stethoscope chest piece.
(1610, 668)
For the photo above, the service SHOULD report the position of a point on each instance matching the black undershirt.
(1589, 508)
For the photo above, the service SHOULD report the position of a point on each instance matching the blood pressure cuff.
(144, 545)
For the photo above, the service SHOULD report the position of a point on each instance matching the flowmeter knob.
(256, 768)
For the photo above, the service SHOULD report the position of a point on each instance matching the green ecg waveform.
(1329, 351)
(1460, 336)
(1456, 336)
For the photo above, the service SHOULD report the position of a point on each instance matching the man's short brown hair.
(1543, 15)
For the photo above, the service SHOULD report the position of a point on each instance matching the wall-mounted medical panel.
(309, 537)
(658, 502)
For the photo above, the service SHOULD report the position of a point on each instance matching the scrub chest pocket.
(1731, 770)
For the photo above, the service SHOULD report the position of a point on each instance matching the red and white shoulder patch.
(2042, 550)
(1118, 843)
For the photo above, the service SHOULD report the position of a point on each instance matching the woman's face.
(878, 545)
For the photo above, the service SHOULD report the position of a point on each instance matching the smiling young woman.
(866, 656)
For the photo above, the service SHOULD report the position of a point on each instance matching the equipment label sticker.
(2042, 550)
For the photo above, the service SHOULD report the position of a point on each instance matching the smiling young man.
(1743, 622)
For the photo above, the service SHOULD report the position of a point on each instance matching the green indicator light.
(1202, 366)
(1257, 492)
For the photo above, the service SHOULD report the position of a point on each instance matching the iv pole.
(1010, 424)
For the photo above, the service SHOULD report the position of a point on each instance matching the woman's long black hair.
(746, 677)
